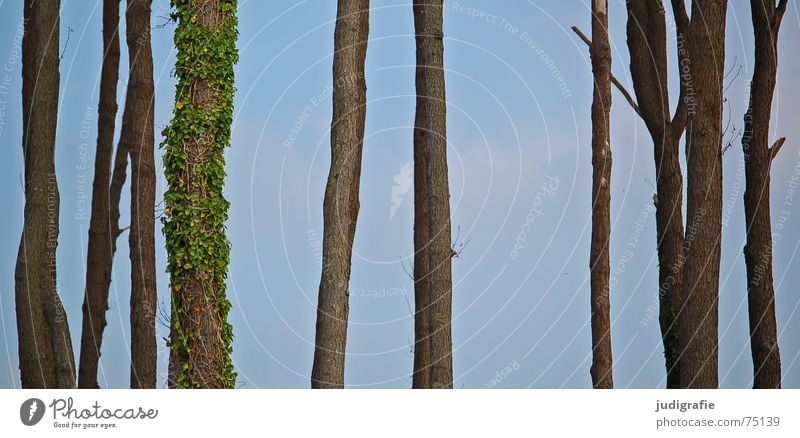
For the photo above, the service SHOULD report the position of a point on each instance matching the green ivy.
(195, 208)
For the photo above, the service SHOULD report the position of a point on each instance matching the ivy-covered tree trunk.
(699, 318)
(601, 369)
(647, 43)
(138, 137)
(45, 347)
(102, 228)
(341, 203)
(431, 119)
(758, 156)
(195, 210)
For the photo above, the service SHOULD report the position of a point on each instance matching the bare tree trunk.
(45, 346)
(601, 369)
(700, 296)
(647, 43)
(195, 208)
(101, 247)
(758, 158)
(431, 121)
(137, 134)
(341, 192)
(422, 280)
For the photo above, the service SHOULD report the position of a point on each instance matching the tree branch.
(614, 80)
(779, 11)
(776, 147)
(682, 23)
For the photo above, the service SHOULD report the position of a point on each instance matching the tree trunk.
(422, 280)
(669, 229)
(45, 346)
(601, 369)
(195, 208)
(102, 232)
(431, 120)
(758, 158)
(341, 192)
(647, 43)
(700, 295)
(137, 134)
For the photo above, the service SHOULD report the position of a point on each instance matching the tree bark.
(138, 136)
(601, 369)
(700, 295)
(195, 207)
(431, 125)
(341, 192)
(422, 281)
(758, 158)
(45, 346)
(647, 43)
(102, 233)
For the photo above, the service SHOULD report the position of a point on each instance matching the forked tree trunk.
(431, 131)
(341, 192)
(700, 296)
(137, 134)
(758, 158)
(647, 43)
(601, 369)
(45, 347)
(103, 228)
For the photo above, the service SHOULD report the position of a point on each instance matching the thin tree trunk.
(700, 296)
(647, 43)
(195, 207)
(45, 346)
(601, 369)
(431, 121)
(422, 280)
(669, 229)
(137, 134)
(102, 233)
(758, 158)
(341, 192)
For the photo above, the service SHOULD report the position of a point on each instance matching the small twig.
(164, 23)
(407, 268)
(66, 43)
(163, 319)
(617, 83)
(738, 68)
(121, 230)
(457, 247)
(408, 303)
(159, 210)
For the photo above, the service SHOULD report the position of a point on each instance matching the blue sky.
(519, 91)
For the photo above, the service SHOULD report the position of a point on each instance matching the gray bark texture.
(699, 315)
(431, 131)
(600, 50)
(758, 156)
(45, 346)
(341, 202)
(647, 43)
(104, 221)
(139, 138)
